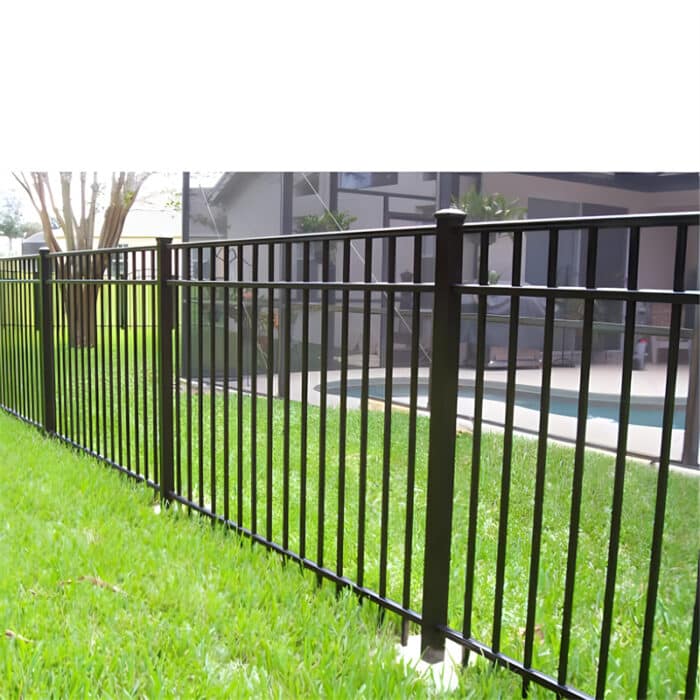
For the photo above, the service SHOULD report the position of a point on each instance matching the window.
(359, 181)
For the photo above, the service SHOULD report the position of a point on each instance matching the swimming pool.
(644, 411)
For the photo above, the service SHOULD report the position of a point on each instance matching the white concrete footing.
(443, 674)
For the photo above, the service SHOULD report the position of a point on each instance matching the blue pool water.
(647, 412)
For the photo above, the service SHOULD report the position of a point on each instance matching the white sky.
(314, 85)
(504, 85)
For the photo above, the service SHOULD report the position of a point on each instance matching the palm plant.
(328, 221)
(488, 207)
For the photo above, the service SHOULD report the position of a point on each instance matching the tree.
(80, 301)
(12, 224)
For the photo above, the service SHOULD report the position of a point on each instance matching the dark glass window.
(359, 181)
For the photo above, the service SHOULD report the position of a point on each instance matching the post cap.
(451, 213)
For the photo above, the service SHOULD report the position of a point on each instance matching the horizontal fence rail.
(360, 403)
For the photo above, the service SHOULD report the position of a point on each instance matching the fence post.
(46, 338)
(165, 369)
(443, 423)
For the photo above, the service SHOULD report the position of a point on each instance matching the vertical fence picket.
(538, 510)
(165, 369)
(89, 341)
(123, 349)
(48, 384)
(507, 444)
(153, 307)
(239, 387)
(579, 458)
(60, 356)
(22, 338)
(178, 353)
(304, 399)
(364, 401)
(80, 347)
(104, 261)
(285, 382)
(270, 360)
(226, 328)
(476, 436)
(187, 343)
(390, 268)
(412, 416)
(620, 470)
(200, 377)
(110, 344)
(138, 309)
(342, 427)
(664, 465)
(140, 329)
(323, 410)
(212, 380)
(95, 359)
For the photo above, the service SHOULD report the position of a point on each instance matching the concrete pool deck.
(605, 381)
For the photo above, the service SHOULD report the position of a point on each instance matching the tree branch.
(39, 179)
(68, 219)
(95, 187)
(82, 196)
(25, 186)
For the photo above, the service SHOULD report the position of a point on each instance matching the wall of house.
(256, 207)
(369, 210)
(656, 255)
(371, 215)
(203, 221)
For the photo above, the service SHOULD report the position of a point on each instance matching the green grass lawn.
(102, 597)
(124, 512)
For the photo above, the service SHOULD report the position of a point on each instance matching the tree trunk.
(80, 308)
(80, 300)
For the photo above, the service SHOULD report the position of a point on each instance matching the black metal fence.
(240, 377)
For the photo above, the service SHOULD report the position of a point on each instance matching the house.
(241, 205)
(249, 204)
